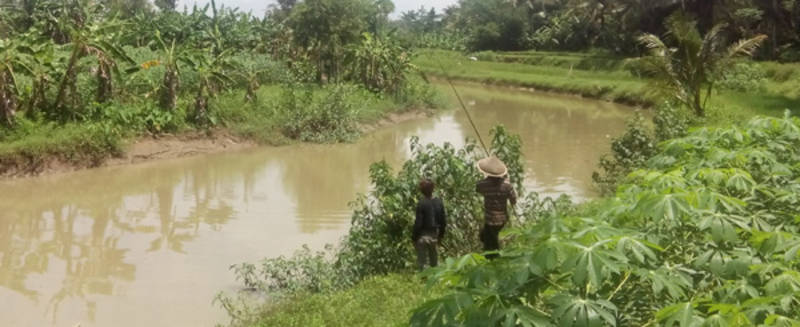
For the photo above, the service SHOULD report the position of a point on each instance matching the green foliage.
(380, 65)
(688, 69)
(416, 93)
(744, 77)
(628, 152)
(378, 241)
(325, 28)
(637, 145)
(84, 145)
(670, 121)
(706, 235)
(491, 25)
(327, 118)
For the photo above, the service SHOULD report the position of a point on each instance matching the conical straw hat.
(492, 167)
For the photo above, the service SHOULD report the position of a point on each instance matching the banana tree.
(380, 65)
(688, 69)
(168, 92)
(41, 67)
(10, 59)
(91, 35)
(212, 71)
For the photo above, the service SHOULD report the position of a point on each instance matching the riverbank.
(166, 146)
(35, 148)
(611, 79)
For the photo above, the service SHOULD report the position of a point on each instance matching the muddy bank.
(394, 118)
(166, 146)
(177, 146)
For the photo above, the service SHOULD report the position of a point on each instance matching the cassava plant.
(705, 235)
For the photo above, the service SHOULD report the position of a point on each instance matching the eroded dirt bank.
(167, 146)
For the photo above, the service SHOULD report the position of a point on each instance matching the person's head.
(426, 187)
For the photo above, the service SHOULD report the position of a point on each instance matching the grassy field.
(609, 78)
(377, 301)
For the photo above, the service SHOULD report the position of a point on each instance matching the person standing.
(497, 194)
(429, 226)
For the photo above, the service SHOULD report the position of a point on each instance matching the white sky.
(258, 7)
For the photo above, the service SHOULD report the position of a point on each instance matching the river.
(150, 244)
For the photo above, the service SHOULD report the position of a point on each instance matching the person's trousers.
(426, 251)
(490, 236)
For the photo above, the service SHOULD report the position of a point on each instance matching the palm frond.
(746, 47)
(654, 44)
(712, 42)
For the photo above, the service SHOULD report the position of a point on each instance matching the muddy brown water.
(150, 244)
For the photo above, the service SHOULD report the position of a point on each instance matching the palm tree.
(690, 67)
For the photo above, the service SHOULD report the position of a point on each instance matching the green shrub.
(670, 121)
(419, 94)
(744, 76)
(329, 116)
(628, 152)
(638, 144)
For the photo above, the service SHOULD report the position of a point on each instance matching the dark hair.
(426, 187)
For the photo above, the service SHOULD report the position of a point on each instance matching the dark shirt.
(431, 218)
(496, 194)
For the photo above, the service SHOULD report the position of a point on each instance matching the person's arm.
(512, 196)
(417, 224)
(442, 215)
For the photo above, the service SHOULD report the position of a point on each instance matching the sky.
(258, 7)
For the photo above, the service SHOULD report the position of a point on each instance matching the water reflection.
(150, 244)
(563, 136)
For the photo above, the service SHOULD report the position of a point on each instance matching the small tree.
(690, 67)
(168, 92)
(212, 73)
(325, 27)
(9, 96)
(380, 65)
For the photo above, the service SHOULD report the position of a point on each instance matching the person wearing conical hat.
(497, 195)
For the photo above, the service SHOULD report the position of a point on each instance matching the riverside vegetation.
(698, 226)
(699, 222)
(706, 232)
(79, 78)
